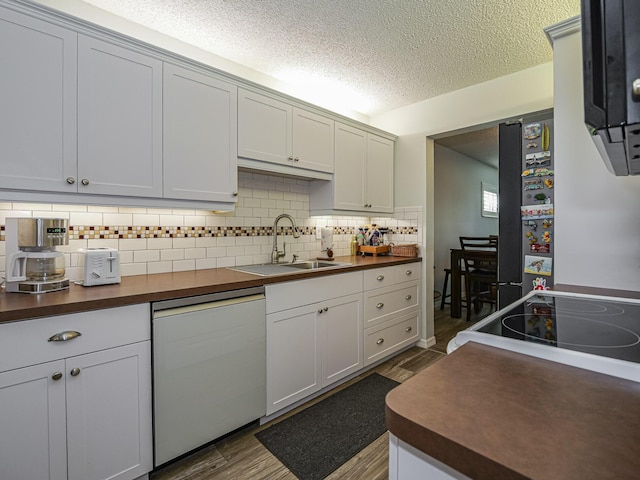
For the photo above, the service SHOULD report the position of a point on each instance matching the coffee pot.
(33, 264)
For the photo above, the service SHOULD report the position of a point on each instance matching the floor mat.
(316, 441)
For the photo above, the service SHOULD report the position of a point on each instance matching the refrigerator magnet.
(532, 131)
(538, 265)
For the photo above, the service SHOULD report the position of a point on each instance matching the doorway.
(465, 194)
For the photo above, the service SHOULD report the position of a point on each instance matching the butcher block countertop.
(491, 413)
(162, 286)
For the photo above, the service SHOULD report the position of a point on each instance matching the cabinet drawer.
(27, 342)
(383, 340)
(383, 303)
(382, 277)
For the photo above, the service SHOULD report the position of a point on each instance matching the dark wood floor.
(242, 456)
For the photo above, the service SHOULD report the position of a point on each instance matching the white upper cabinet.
(37, 104)
(379, 174)
(119, 120)
(200, 136)
(273, 131)
(363, 177)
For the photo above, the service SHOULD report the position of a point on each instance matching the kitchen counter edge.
(164, 286)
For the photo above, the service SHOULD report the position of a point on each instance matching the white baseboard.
(429, 342)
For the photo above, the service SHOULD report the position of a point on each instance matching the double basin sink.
(269, 269)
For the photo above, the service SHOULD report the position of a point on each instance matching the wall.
(597, 219)
(457, 204)
(160, 240)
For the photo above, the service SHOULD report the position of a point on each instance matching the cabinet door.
(350, 162)
(341, 327)
(38, 104)
(264, 128)
(33, 423)
(293, 357)
(313, 141)
(200, 136)
(109, 420)
(380, 174)
(119, 120)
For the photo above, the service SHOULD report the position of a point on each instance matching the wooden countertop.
(162, 286)
(491, 413)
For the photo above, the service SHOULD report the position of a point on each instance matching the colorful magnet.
(548, 182)
(531, 237)
(537, 159)
(531, 224)
(546, 138)
(542, 172)
(547, 222)
(527, 173)
(539, 248)
(532, 145)
(538, 265)
(541, 197)
(534, 184)
(546, 237)
(532, 131)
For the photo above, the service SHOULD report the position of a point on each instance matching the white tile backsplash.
(154, 240)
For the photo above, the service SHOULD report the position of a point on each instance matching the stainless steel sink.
(270, 269)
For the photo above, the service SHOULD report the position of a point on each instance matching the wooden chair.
(480, 256)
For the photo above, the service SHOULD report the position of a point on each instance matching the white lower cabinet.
(312, 346)
(84, 412)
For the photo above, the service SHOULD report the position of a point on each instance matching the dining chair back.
(480, 257)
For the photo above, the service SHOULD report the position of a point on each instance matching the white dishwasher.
(209, 370)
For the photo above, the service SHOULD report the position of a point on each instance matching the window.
(489, 200)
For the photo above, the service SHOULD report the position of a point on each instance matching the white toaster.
(100, 266)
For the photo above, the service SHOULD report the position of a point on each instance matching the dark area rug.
(316, 441)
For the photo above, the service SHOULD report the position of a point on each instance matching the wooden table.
(456, 276)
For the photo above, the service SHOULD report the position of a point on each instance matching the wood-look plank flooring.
(241, 456)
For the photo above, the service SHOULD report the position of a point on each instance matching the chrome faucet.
(275, 254)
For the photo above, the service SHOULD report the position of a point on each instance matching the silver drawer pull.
(75, 372)
(64, 336)
(56, 376)
(380, 278)
(409, 272)
(408, 329)
(380, 341)
(325, 309)
(380, 305)
(408, 297)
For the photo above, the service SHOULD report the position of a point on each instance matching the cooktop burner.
(604, 327)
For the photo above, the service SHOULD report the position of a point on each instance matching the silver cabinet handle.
(71, 180)
(380, 341)
(296, 159)
(408, 329)
(325, 308)
(408, 297)
(64, 336)
(290, 158)
(380, 305)
(380, 278)
(85, 181)
(319, 310)
(409, 272)
(75, 372)
(56, 376)
(235, 194)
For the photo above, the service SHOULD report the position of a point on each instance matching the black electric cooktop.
(598, 326)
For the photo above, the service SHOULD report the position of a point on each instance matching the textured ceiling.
(392, 52)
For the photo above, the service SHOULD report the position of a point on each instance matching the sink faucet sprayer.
(275, 254)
